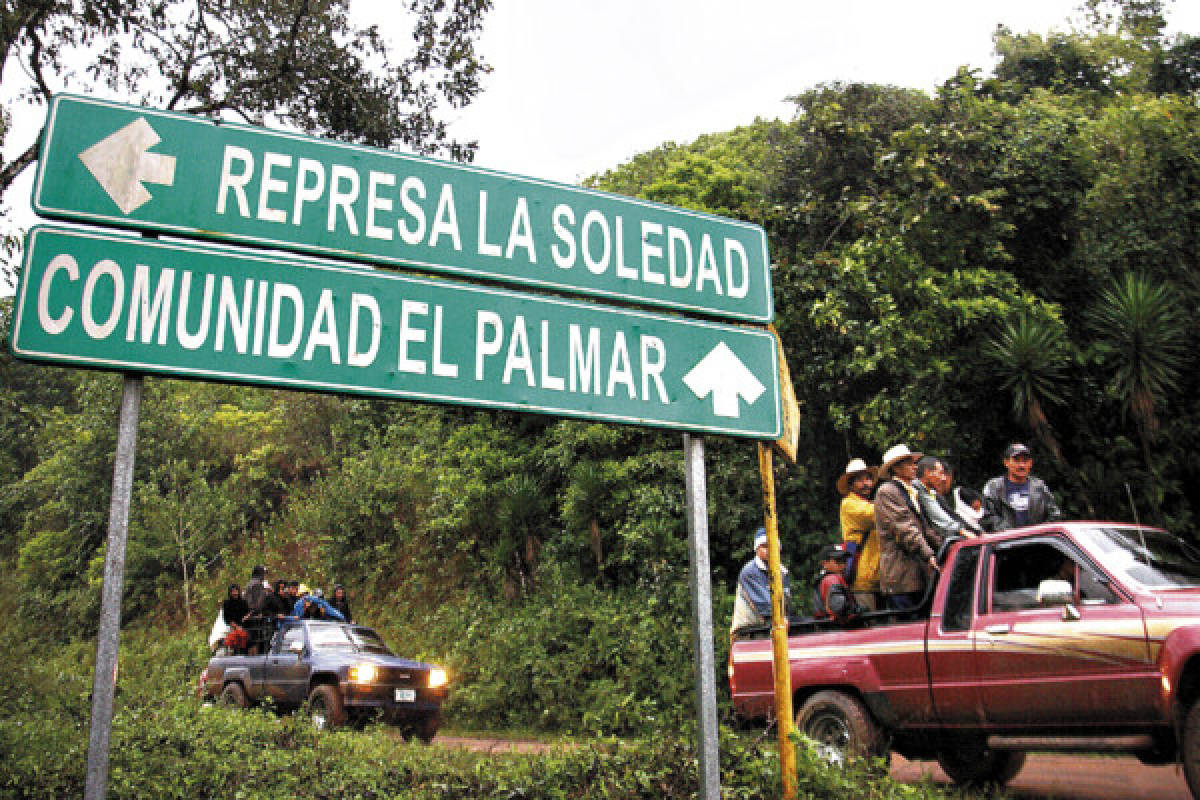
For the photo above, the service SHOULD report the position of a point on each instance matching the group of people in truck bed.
(894, 518)
(252, 615)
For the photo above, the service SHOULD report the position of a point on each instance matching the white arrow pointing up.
(727, 378)
(120, 164)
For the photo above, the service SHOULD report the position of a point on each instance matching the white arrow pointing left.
(724, 375)
(120, 164)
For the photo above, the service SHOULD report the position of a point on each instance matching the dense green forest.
(1014, 256)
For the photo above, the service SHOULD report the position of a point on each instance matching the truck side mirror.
(1054, 592)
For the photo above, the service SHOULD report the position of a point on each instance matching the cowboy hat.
(855, 466)
(895, 454)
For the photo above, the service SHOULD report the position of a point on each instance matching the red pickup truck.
(1077, 636)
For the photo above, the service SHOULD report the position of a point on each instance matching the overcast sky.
(580, 87)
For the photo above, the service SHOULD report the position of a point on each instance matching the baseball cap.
(1017, 449)
(834, 552)
(760, 537)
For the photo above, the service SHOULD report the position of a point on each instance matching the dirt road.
(1073, 778)
(1060, 777)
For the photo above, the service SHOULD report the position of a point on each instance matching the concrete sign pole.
(105, 678)
(702, 623)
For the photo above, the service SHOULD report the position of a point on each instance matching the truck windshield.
(368, 641)
(1153, 559)
(329, 637)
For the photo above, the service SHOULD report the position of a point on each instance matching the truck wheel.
(427, 726)
(233, 696)
(975, 764)
(325, 705)
(1190, 751)
(841, 726)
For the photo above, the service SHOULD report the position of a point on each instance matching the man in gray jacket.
(1017, 498)
(931, 476)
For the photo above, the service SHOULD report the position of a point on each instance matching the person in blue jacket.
(309, 606)
(752, 603)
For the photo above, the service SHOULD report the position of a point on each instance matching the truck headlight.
(363, 673)
(437, 678)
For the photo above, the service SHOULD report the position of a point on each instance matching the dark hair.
(233, 586)
(280, 585)
(927, 463)
(969, 495)
(258, 572)
(294, 583)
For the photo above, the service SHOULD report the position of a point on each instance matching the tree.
(298, 63)
(1029, 357)
(1141, 335)
(181, 517)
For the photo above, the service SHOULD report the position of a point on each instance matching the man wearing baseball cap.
(752, 603)
(1017, 498)
(832, 599)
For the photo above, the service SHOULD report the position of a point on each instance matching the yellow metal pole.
(779, 628)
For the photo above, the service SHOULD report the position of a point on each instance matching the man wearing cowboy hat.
(906, 556)
(858, 530)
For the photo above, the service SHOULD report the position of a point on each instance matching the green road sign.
(143, 169)
(113, 301)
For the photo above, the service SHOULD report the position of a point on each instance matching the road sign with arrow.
(141, 169)
(118, 302)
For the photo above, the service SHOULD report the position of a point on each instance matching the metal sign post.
(779, 628)
(699, 575)
(105, 677)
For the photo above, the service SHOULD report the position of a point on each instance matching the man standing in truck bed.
(1017, 498)
(857, 514)
(907, 543)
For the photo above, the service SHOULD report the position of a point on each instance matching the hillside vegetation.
(1012, 257)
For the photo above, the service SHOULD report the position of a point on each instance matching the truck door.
(287, 672)
(950, 645)
(1079, 663)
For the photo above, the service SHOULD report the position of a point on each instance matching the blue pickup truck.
(344, 672)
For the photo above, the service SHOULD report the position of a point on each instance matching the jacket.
(832, 598)
(998, 515)
(234, 610)
(255, 596)
(330, 612)
(938, 518)
(858, 523)
(752, 604)
(906, 541)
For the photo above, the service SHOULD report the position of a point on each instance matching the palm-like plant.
(1140, 333)
(1029, 357)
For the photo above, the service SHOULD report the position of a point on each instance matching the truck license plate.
(406, 695)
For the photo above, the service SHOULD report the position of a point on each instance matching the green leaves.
(1141, 338)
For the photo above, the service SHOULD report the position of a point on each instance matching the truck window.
(960, 594)
(1018, 570)
(295, 634)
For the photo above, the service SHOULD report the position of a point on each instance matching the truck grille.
(399, 676)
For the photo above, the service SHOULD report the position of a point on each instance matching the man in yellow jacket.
(858, 530)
